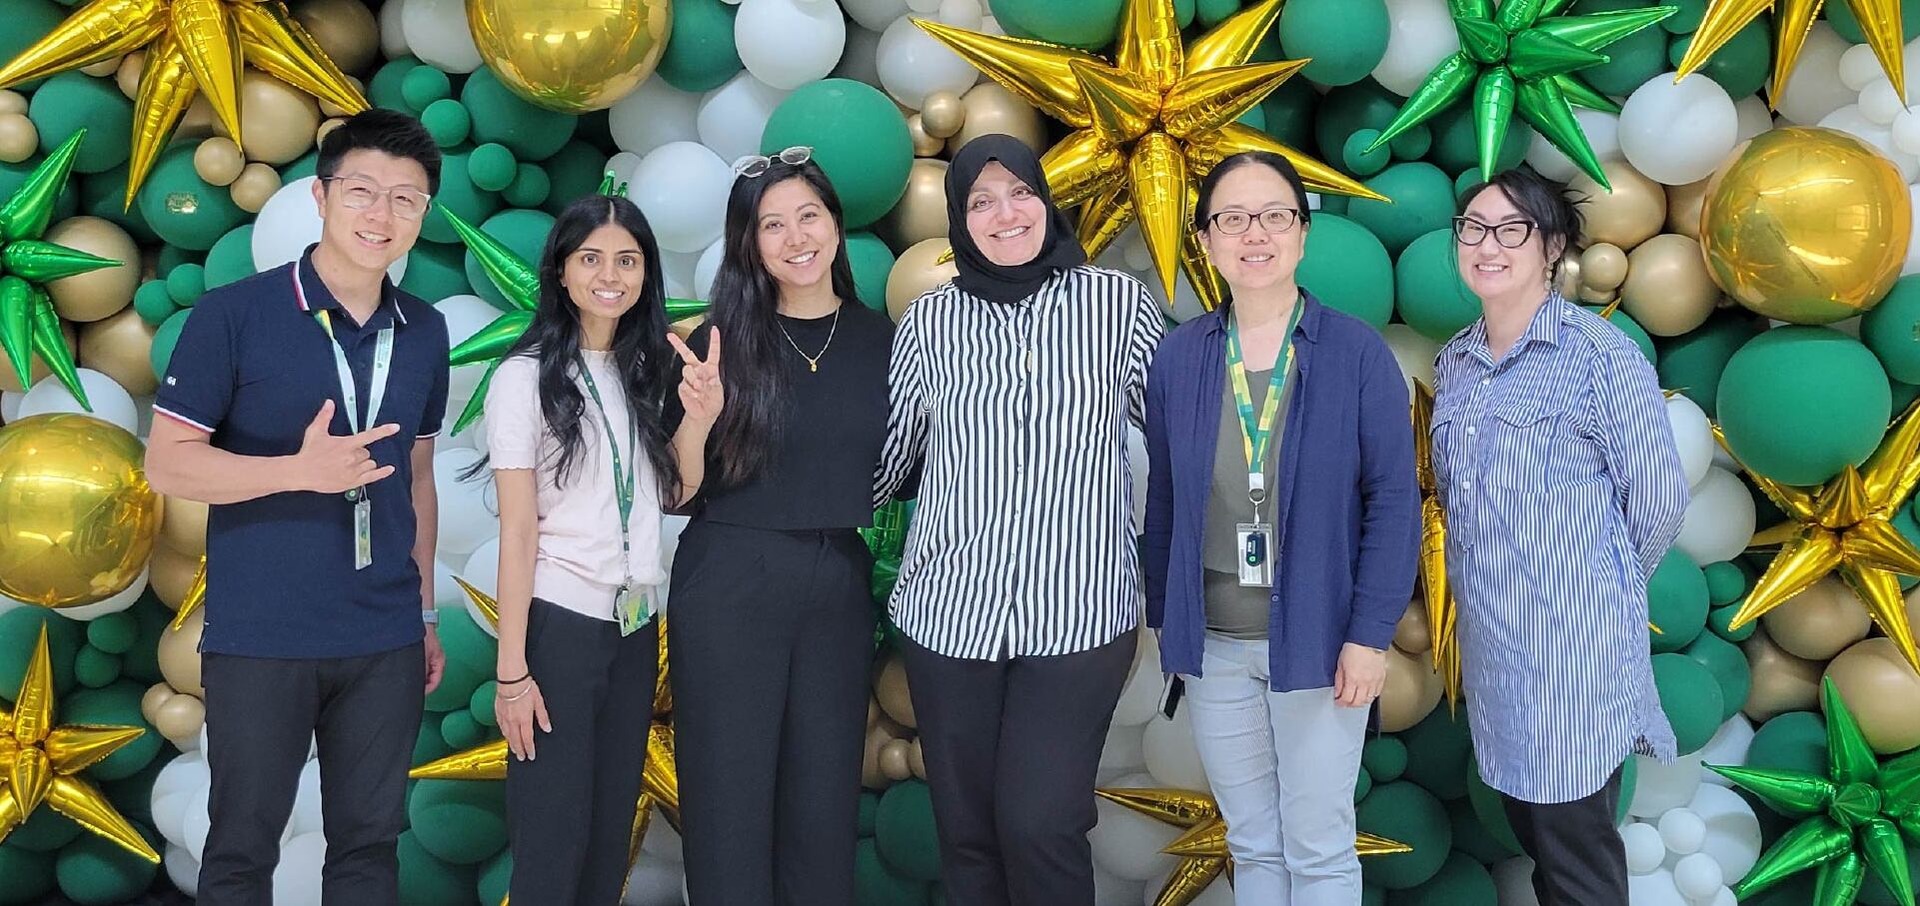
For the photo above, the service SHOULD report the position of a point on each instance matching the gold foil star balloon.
(193, 46)
(1149, 124)
(41, 763)
(28, 324)
(1442, 610)
(195, 599)
(1846, 524)
(1879, 23)
(1203, 847)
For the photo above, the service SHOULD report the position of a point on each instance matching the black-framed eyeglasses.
(1273, 220)
(1511, 234)
(359, 194)
(756, 165)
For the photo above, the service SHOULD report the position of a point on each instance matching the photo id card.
(362, 533)
(632, 607)
(1256, 553)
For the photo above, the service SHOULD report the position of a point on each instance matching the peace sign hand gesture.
(701, 392)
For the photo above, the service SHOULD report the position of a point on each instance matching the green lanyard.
(1257, 433)
(623, 479)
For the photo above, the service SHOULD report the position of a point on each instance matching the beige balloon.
(943, 114)
(345, 30)
(1669, 290)
(1632, 213)
(103, 68)
(12, 101)
(1591, 296)
(96, 294)
(894, 760)
(180, 654)
(329, 110)
(19, 138)
(921, 213)
(171, 573)
(1683, 208)
(277, 121)
(1411, 691)
(1819, 622)
(890, 689)
(992, 109)
(1781, 682)
(1880, 689)
(256, 184)
(1413, 635)
(320, 135)
(1603, 266)
(199, 121)
(1571, 274)
(127, 77)
(871, 776)
(156, 695)
(917, 759)
(37, 369)
(184, 528)
(181, 717)
(219, 161)
(915, 272)
(924, 145)
(121, 347)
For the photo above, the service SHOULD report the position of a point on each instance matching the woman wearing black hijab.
(1019, 590)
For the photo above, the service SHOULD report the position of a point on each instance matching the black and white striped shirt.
(1022, 542)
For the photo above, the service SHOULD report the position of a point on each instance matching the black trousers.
(570, 808)
(1011, 748)
(770, 652)
(1578, 857)
(262, 713)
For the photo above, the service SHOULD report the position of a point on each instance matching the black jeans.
(1012, 748)
(364, 715)
(1579, 859)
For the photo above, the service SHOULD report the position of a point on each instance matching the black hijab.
(979, 275)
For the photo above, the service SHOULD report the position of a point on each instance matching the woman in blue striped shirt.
(1563, 491)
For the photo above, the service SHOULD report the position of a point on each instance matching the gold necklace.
(813, 361)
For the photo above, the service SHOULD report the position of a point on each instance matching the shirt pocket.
(1521, 446)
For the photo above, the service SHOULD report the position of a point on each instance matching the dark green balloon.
(20, 631)
(1797, 404)
(447, 121)
(182, 208)
(1089, 24)
(436, 271)
(871, 261)
(460, 730)
(529, 187)
(186, 282)
(1841, 15)
(495, 875)
(1422, 201)
(858, 137)
(13, 176)
(1726, 582)
(1403, 811)
(470, 657)
(1728, 664)
(231, 258)
(1742, 65)
(1345, 39)
(1289, 110)
(1428, 292)
(72, 101)
(904, 833)
(1875, 893)
(141, 663)
(492, 167)
(387, 87)
(1491, 810)
(1691, 698)
(572, 173)
(1692, 363)
(45, 831)
(164, 339)
(1385, 758)
(95, 871)
(115, 705)
(1412, 144)
(1472, 837)
(1892, 330)
(1456, 148)
(27, 21)
(1348, 109)
(1438, 752)
(310, 162)
(875, 885)
(1720, 620)
(104, 195)
(1183, 12)
(1794, 741)
(1676, 601)
(29, 875)
(95, 669)
(480, 705)
(424, 85)
(1904, 395)
(1461, 880)
(154, 303)
(1634, 332)
(1255, 118)
(427, 745)
(133, 796)
(1357, 160)
(1632, 60)
(427, 880)
(1362, 785)
(114, 633)
(1348, 269)
(700, 55)
(869, 812)
(531, 133)
(1687, 19)
(459, 195)
(459, 822)
(524, 231)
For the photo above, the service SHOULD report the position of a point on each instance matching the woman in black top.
(772, 617)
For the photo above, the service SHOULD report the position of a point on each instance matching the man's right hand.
(334, 464)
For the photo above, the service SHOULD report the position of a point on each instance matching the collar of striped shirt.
(1544, 328)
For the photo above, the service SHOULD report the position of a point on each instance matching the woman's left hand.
(1361, 674)
(701, 392)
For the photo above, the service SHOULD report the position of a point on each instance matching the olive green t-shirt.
(1233, 609)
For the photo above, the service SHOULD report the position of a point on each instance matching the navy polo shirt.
(252, 369)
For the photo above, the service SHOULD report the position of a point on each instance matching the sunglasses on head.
(756, 165)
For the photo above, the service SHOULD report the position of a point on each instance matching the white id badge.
(362, 533)
(632, 607)
(1256, 553)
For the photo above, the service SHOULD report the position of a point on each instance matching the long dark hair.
(646, 364)
(745, 300)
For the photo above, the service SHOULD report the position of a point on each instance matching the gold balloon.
(1807, 225)
(921, 213)
(991, 109)
(38, 368)
(942, 114)
(120, 347)
(569, 55)
(890, 690)
(924, 145)
(179, 655)
(180, 717)
(77, 518)
(1818, 623)
(1632, 213)
(219, 161)
(19, 138)
(1411, 691)
(1781, 682)
(276, 120)
(256, 184)
(1603, 266)
(917, 270)
(345, 29)
(1668, 290)
(96, 294)
(172, 574)
(1683, 207)
(1880, 689)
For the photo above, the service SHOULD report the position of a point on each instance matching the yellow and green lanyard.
(1256, 432)
(630, 605)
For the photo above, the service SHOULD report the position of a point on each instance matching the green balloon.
(154, 303)
(186, 282)
(427, 880)
(461, 730)
(428, 745)
(1456, 148)
(1692, 363)
(424, 85)
(492, 167)
(700, 55)
(871, 261)
(1794, 741)
(182, 208)
(95, 871)
(1346, 110)
(1687, 19)
(141, 663)
(1797, 404)
(1428, 292)
(1422, 201)
(1632, 60)
(1726, 582)
(529, 187)
(231, 258)
(1344, 38)
(19, 631)
(1720, 620)
(1491, 810)
(1183, 12)
(1691, 698)
(164, 338)
(1361, 162)
(1255, 118)
(436, 271)
(104, 195)
(1892, 330)
(114, 633)
(1742, 65)
(470, 656)
(95, 669)
(1213, 12)
(1904, 395)
(874, 885)
(1289, 112)
(447, 121)
(499, 115)
(134, 795)
(1797, 890)
(1385, 758)
(1844, 22)
(1362, 785)
(1676, 601)
(72, 101)
(1403, 811)
(115, 705)
(1412, 144)
(1634, 332)
(1875, 893)
(1438, 752)
(495, 875)
(459, 195)
(29, 876)
(574, 172)
(387, 88)
(1348, 269)
(1728, 664)
(481, 705)
(45, 831)
(524, 232)
(858, 137)
(14, 176)
(1371, 895)
(1088, 24)
(904, 833)
(309, 163)
(27, 21)
(869, 812)
(459, 821)
(1471, 836)
(1460, 880)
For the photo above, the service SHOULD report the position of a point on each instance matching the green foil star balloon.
(1522, 57)
(1854, 818)
(28, 324)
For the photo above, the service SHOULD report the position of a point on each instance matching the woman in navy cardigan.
(1282, 536)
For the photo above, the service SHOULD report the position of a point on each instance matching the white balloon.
(1693, 434)
(195, 822)
(306, 817)
(465, 316)
(437, 33)
(1420, 34)
(1645, 851)
(182, 868)
(1879, 102)
(1654, 889)
(482, 571)
(1682, 831)
(1172, 757)
(1733, 831)
(1728, 746)
(1140, 697)
(788, 43)
(1755, 118)
(874, 15)
(1698, 877)
(469, 507)
(682, 188)
(1723, 897)
(1126, 843)
(393, 34)
(655, 882)
(1678, 132)
(1661, 787)
(678, 270)
(1137, 469)
(111, 402)
(652, 115)
(1816, 88)
(10, 401)
(446, 592)
(913, 64)
(707, 268)
(1858, 67)
(1110, 889)
(289, 223)
(733, 116)
(662, 841)
(1851, 120)
(1414, 353)
(1124, 752)
(860, 61)
(296, 880)
(1719, 520)
(965, 14)
(1603, 135)
(924, 7)
(173, 790)
(116, 603)
(1906, 132)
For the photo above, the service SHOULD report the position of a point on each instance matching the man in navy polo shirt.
(302, 404)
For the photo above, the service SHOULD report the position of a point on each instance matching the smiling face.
(1264, 255)
(375, 236)
(1491, 269)
(797, 237)
(605, 274)
(1005, 217)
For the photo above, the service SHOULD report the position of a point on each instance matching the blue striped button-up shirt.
(1563, 491)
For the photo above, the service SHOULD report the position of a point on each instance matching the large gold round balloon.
(77, 518)
(1880, 688)
(121, 347)
(1668, 290)
(1807, 225)
(916, 271)
(573, 56)
(96, 294)
(1781, 682)
(921, 212)
(992, 109)
(1632, 213)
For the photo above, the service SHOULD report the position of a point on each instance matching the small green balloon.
(871, 261)
(1460, 880)
(117, 705)
(436, 271)
(1631, 60)
(1255, 118)
(1362, 785)
(1345, 39)
(1412, 144)
(1438, 752)
(1348, 269)
(1892, 330)
(182, 208)
(387, 88)
(14, 176)
(874, 883)
(1456, 147)
(1214, 12)
(95, 669)
(492, 167)
(29, 876)
(186, 282)
(1470, 835)
(1385, 758)
(522, 231)
(1289, 112)
(572, 173)
(1428, 292)
(141, 663)
(1361, 162)
(1720, 620)
(1183, 12)
(1088, 25)
(1726, 582)
(154, 303)
(164, 339)
(231, 258)
(700, 54)
(1692, 363)
(104, 195)
(1728, 664)
(458, 821)
(495, 876)
(1346, 110)
(1403, 811)
(858, 136)
(1904, 395)
(1742, 65)
(1688, 17)
(481, 705)
(27, 21)
(19, 631)
(72, 101)
(447, 121)
(423, 85)
(531, 133)
(426, 879)
(113, 633)
(95, 871)
(470, 656)
(529, 187)
(459, 195)
(1422, 201)
(427, 744)
(1798, 404)
(1691, 698)
(869, 812)
(1844, 21)
(904, 832)
(1794, 741)
(1676, 602)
